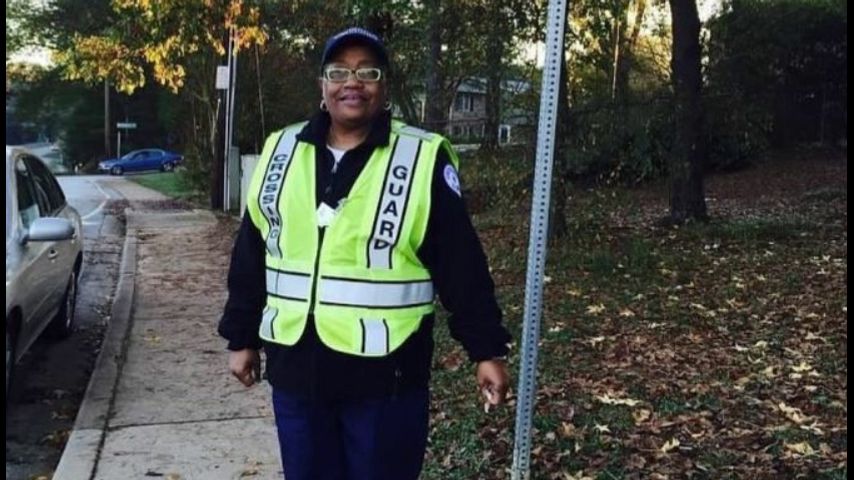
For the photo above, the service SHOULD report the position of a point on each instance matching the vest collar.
(317, 129)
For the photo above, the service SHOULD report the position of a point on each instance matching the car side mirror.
(50, 230)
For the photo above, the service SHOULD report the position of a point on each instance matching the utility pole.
(226, 81)
(107, 147)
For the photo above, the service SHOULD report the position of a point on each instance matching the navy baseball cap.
(354, 35)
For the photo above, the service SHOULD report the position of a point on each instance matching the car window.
(28, 207)
(47, 188)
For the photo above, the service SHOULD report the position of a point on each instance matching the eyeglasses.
(341, 74)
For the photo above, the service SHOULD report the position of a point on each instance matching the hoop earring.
(387, 106)
(323, 106)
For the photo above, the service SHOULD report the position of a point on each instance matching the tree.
(778, 74)
(179, 44)
(561, 181)
(14, 37)
(687, 197)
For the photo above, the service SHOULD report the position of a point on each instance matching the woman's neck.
(346, 138)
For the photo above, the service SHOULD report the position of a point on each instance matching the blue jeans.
(371, 439)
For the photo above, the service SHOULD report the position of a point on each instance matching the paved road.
(90, 195)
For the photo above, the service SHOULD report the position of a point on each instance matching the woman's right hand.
(245, 365)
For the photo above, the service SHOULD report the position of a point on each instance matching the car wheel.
(10, 361)
(167, 167)
(63, 323)
(116, 170)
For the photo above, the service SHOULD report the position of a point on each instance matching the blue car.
(142, 160)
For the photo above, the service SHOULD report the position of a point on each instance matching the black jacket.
(451, 252)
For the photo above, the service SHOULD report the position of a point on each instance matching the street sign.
(222, 77)
(126, 125)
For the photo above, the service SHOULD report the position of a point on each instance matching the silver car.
(43, 256)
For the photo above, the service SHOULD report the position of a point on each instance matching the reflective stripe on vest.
(271, 188)
(395, 194)
(374, 336)
(366, 294)
(267, 320)
(288, 285)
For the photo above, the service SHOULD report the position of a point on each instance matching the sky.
(706, 8)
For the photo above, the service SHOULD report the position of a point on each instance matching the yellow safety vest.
(359, 275)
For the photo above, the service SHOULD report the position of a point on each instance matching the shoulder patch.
(452, 179)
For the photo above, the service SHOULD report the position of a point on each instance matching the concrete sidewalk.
(161, 402)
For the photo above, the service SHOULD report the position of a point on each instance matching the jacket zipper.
(312, 297)
(396, 388)
(321, 231)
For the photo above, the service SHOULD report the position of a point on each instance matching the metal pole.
(229, 93)
(107, 148)
(538, 237)
(118, 143)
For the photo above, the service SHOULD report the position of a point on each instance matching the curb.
(82, 451)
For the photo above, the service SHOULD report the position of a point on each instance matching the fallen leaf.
(567, 429)
(595, 309)
(579, 475)
(802, 368)
(813, 428)
(793, 414)
(802, 448)
(609, 400)
(812, 336)
(641, 415)
(670, 445)
(601, 428)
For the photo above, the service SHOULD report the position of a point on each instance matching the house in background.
(467, 113)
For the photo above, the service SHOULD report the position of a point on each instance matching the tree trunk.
(435, 113)
(618, 43)
(107, 145)
(494, 58)
(260, 100)
(383, 24)
(559, 228)
(626, 57)
(402, 98)
(687, 197)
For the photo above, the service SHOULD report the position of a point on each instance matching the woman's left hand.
(493, 380)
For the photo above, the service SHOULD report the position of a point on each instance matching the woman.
(353, 221)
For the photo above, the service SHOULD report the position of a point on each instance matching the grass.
(171, 184)
(673, 318)
(750, 230)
